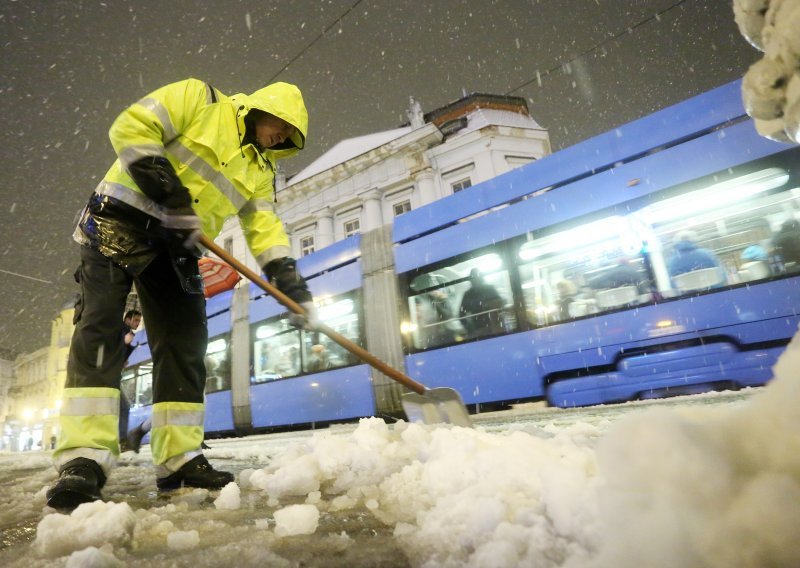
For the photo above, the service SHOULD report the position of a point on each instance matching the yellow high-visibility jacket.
(202, 133)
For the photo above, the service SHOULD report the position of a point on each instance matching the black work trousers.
(175, 321)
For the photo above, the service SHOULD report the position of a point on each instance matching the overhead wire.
(537, 77)
(315, 40)
(540, 75)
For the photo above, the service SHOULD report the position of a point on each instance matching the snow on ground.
(692, 482)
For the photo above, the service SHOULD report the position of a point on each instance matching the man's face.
(134, 321)
(271, 130)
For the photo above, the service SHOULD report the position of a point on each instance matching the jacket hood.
(285, 101)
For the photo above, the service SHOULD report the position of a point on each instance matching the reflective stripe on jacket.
(201, 132)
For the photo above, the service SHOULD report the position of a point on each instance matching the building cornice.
(418, 140)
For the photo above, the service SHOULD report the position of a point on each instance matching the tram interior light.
(336, 310)
(265, 332)
(533, 284)
(407, 327)
(489, 263)
(216, 346)
(609, 235)
(718, 195)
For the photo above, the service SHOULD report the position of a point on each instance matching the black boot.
(79, 481)
(135, 436)
(197, 472)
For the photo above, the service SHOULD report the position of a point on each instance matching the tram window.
(144, 384)
(463, 300)
(128, 385)
(276, 351)
(281, 351)
(722, 234)
(583, 270)
(218, 365)
(319, 352)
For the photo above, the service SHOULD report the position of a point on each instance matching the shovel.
(429, 406)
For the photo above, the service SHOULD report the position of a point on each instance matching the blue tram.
(649, 261)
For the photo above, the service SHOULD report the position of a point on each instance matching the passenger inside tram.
(755, 264)
(480, 307)
(693, 267)
(567, 291)
(787, 245)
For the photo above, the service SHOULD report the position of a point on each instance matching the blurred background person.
(688, 256)
(480, 307)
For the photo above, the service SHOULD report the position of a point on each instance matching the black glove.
(183, 227)
(282, 272)
(182, 231)
(156, 177)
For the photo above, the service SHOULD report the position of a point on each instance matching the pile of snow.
(699, 486)
(771, 87)
(708, 488)
(90, 525)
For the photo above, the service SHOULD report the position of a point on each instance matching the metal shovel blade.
(436, 406)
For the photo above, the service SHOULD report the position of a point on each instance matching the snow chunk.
(229, 498)
(183, 540)
(91, 524)
(93, 557)
(296, 520)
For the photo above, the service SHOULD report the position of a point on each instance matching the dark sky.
(69, 67)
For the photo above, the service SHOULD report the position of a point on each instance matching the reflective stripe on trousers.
(177, 431)
(89, 421)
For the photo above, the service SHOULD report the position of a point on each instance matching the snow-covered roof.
(482, 117)
(353, 147)
(347, 150)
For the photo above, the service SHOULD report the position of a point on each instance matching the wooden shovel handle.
(296, 308)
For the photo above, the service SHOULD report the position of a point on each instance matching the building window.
(517, 161)
(461, 184)
(228, 245)
(352, 227)
(306, 245)
(401, 207)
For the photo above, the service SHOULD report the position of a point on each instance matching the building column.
(373, 216)
(324, 232)
(427, 188)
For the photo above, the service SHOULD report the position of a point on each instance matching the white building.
(31, 387)
(6, 382)
(363, 183)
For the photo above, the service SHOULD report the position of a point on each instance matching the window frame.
(405, 205)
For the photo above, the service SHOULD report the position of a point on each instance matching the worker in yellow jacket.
(189, 157)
